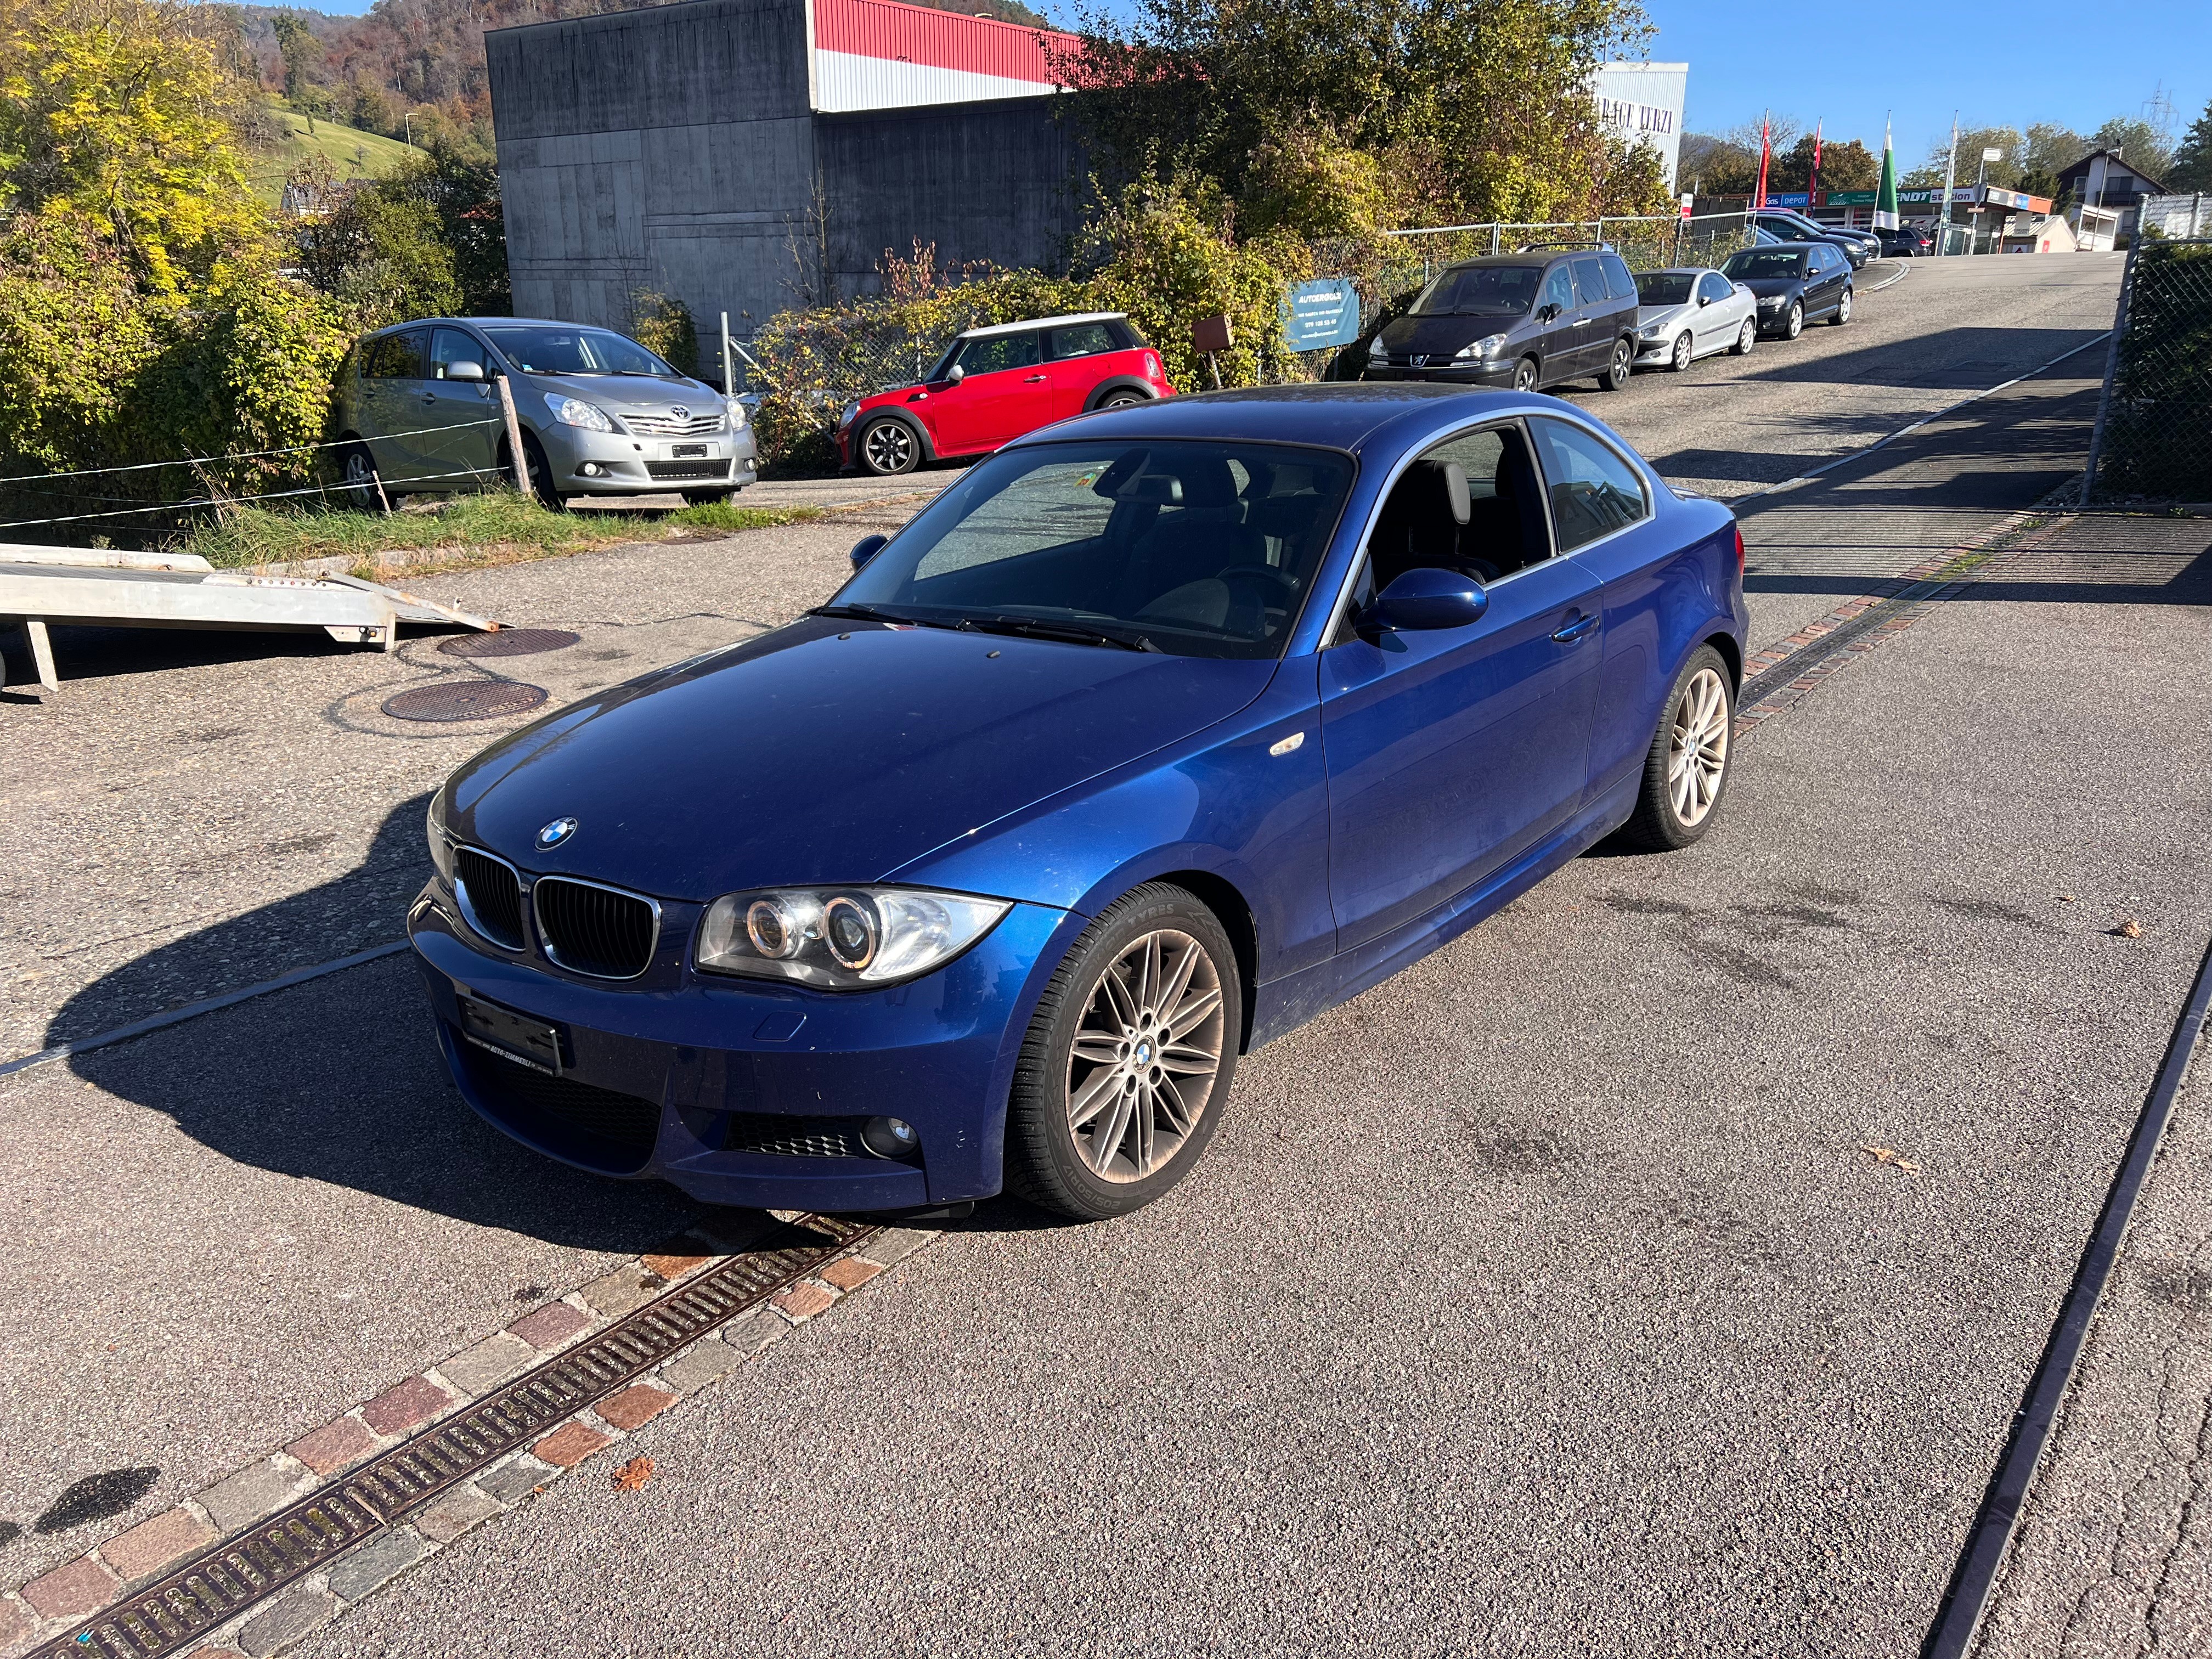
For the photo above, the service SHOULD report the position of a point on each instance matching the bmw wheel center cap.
(556, 832)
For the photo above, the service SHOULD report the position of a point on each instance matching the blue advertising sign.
(1320, 313)
(1789, 198)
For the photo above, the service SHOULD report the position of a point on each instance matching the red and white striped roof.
(882, 54)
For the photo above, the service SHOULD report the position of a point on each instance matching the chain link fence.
(2153, 432)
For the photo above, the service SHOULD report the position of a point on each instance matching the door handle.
(1031, 379)
(1576, 629)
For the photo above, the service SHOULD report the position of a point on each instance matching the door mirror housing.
(464, 369)
(866, 548)
(1424, 599)
(955, 374)
(1546, 313)
(1704, 299)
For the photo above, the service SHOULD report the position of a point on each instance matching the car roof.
(1677, 271)
(484, 322)
(1043, 322)
(1337, 414)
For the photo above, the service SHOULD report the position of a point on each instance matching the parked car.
(1797, 284)
(1157, 734)
(993, 385)
(1690, 313)
(599, 415)
(1521, 320)
(1858, 245)
(1908, 242)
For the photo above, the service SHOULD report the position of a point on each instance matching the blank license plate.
(687, 452)
(519, 1037)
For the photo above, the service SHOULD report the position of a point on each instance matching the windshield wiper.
(1074, 633)
(877, 613)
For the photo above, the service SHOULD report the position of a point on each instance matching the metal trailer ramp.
(42, 586)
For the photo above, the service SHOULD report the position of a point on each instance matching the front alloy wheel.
(887, 446)
(1795, 324)
(1680, 360)
(1524, 375)
(1685, 770)
(1127, 1060)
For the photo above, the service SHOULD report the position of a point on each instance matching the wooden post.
(729, 363)
(514, 435)
(42, 651)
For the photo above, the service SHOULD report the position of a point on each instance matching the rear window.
(1617, 277)
(1079, 340)
(1589, 282)
(395, 357)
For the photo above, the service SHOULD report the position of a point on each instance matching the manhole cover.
(463, 700)
(509, 642)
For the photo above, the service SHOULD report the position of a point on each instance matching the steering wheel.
(1282, 579)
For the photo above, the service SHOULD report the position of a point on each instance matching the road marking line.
(1904, 271)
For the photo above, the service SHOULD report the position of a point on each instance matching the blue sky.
(1998, 66)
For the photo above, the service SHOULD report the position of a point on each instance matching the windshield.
(537, 350)
(1760, 262)
(1196, 549)
(1663, 288)
(1480, 291)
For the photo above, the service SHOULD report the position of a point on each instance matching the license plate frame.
(687, 452)
(540, 1044)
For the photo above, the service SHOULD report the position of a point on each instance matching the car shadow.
(340, 1080)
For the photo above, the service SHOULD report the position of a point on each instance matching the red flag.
(1766, 154)
(1812, 185)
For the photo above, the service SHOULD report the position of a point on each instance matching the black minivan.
(1525, 320)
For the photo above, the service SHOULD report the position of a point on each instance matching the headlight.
(575, 412)
(441, 847)
(846, 939)
(1377, 351)
(1489, 346)
(737, 412)
(849, 414)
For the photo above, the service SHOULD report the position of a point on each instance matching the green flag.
(1885, 200)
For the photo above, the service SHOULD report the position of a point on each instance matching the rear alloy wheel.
(1843, 310)
(887, 447)
(1617, 371)
(1686, 770)
(359, 471)
(1794, 325)
(1128, 1059)
(1683, 352)
(1123, 399)
(1745, 338)
(1524, 375)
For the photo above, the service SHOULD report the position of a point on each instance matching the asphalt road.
(1542, 1297)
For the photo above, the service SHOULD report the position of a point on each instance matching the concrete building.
(1643, 102)
(743, 156)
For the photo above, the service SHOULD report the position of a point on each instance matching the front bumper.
(683, 1071)
(1497, 371)
(633, 466)
(1655, 351)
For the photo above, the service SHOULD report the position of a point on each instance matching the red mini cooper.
(995, 384)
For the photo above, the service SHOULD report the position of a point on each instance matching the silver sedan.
(1690, 313)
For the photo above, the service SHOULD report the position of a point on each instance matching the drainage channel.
(221, 1582)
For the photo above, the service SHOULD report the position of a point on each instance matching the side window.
(996, 352)
(1594, 490)
(1079, 340)
(1716, 287)
(1559, 288)
(1617, 277)
(1589, 278)
(396, 357)
(450, 345)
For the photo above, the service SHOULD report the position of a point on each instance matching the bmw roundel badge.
(556, 832)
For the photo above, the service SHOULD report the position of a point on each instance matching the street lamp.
(1981, 189)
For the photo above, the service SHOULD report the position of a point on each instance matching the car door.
(1828, 286)
(461, 444)
(392, 377)
(1077, 356)
(1452, 751)
(1001, 393)
(1594, 308)
(1716, 320)
(1556, 343)
(1602, 516)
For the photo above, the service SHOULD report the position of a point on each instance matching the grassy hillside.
(353, 154)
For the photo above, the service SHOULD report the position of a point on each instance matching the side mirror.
(1704, 299)
(464, 370)
(1425, 599)
(866, 548)
(955, 374)
(1546, 313)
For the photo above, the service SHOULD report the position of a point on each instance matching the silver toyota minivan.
(599, 414)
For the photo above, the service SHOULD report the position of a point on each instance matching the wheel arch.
(869, 416)
(1731, 650)
(1220, 896)
(1106, 388)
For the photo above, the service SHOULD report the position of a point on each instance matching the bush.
(664, 325)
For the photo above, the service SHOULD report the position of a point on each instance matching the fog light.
(889, 1137)
(592, 469)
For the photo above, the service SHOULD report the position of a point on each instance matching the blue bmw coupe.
(1157, 734)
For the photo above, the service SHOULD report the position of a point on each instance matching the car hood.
(1766, 286)
(1657, 316)
(625, 394)
(1442, 334)
(826, 752)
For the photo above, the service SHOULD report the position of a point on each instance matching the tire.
(1685, 350)
(1843, 310)
(540, 472)
(1525, 375)
(1745, 338)
(1795, 325)
(1675, 808)
(1122, 399)
(886, 446)
(1096, 999)
(1620, 367)
(705, 497)
(357, 467)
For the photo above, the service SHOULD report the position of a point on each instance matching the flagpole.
(1950, 179)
